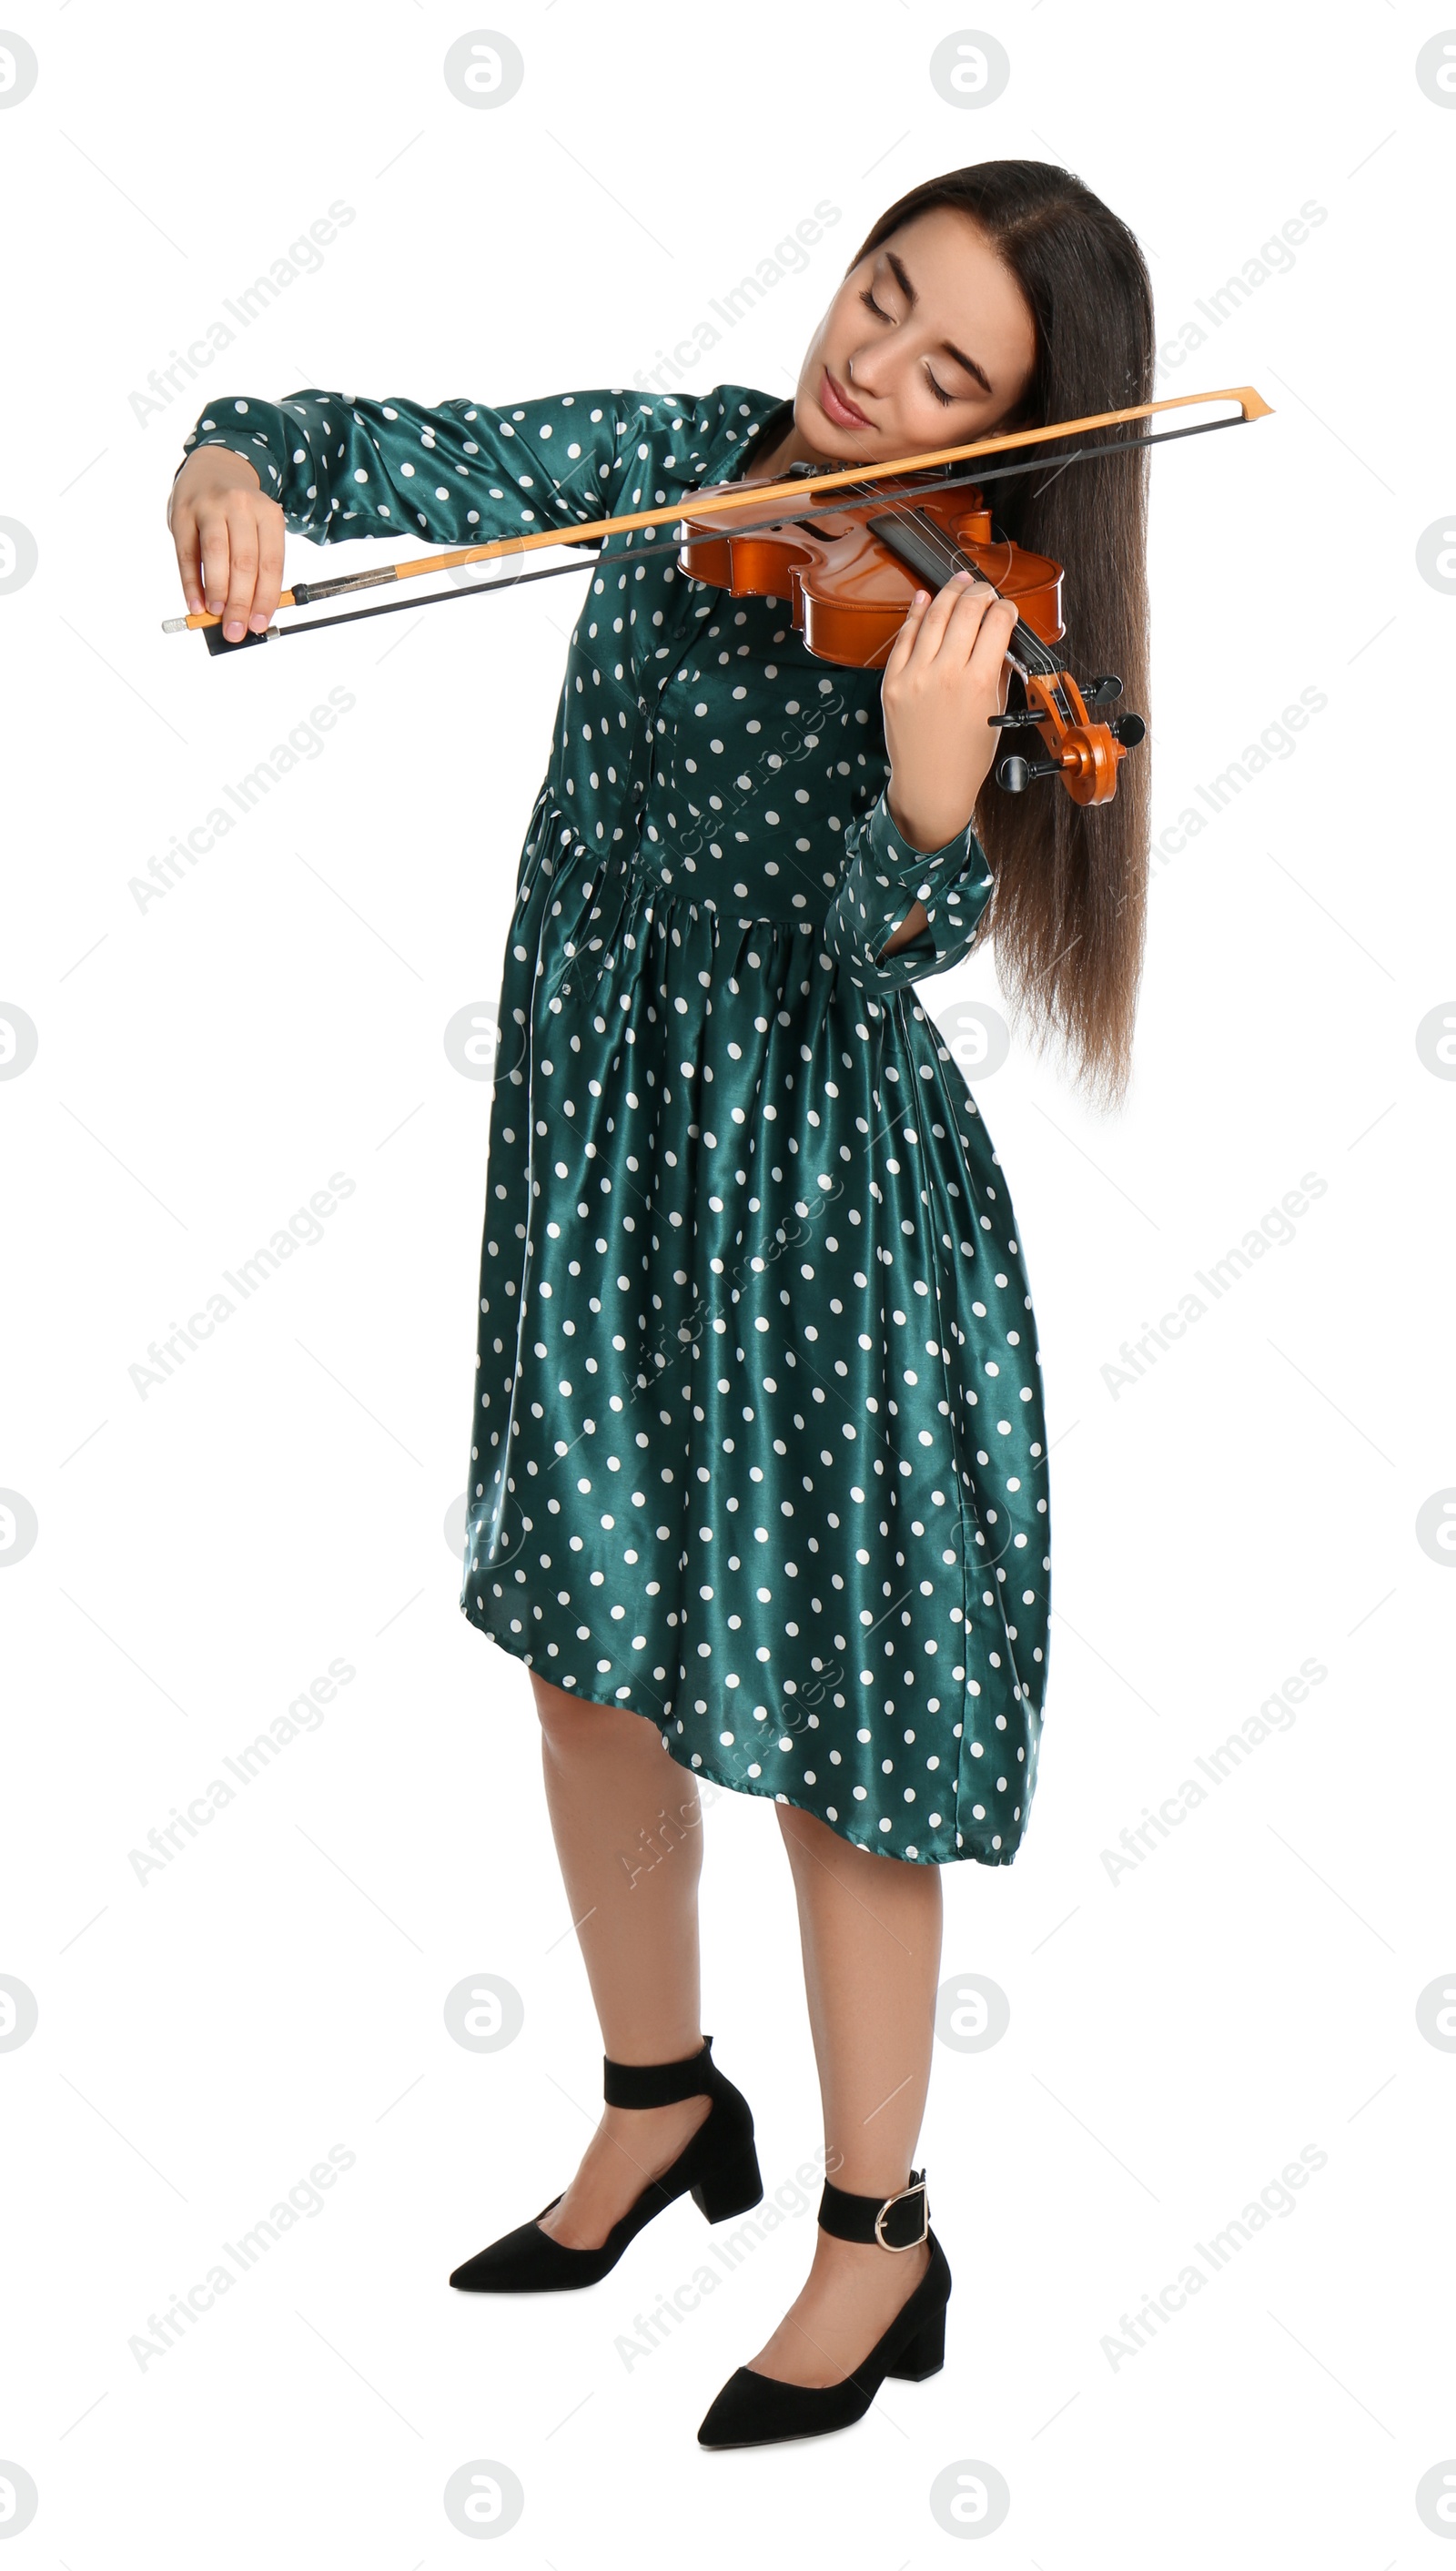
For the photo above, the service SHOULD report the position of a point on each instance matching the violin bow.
(732, 496)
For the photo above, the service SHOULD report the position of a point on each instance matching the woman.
(759, 1450)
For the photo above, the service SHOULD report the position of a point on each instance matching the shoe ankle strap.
(899, 2222)
(657, 2084)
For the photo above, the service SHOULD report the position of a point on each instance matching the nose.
(866, 370)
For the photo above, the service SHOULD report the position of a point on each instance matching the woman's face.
(929, 343)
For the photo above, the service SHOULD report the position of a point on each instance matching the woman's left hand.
(946, 675)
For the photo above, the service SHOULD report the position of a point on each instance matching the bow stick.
(729, 496)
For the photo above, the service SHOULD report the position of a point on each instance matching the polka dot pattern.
(760, 1450)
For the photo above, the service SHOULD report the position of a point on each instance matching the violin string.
(1030, 648)
(1027, 653)
(1030, 654)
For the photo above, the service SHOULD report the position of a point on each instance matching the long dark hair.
(1069, 912)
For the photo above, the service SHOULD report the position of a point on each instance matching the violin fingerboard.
(932, 557)
(935, 558)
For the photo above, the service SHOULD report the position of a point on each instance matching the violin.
(851, 566)
(850, 575)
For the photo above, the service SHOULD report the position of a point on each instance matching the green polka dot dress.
(758, 1446)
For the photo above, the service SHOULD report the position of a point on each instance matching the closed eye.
(867, 299)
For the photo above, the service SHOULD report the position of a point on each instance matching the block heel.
(922, 2356)
(734, 2185)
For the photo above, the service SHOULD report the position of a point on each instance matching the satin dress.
(759, 1448)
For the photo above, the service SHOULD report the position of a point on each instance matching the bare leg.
(871, 1932)
(629, 1836)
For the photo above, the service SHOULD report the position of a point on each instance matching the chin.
(808, 419)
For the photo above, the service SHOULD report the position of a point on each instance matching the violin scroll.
(1084, 755)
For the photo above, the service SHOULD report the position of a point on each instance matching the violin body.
(849, 577)
(848, 592)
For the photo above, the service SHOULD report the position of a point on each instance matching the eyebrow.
(959, 355)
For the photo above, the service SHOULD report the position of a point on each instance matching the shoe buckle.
(916, 2188)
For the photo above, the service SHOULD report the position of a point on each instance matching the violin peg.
(1016, 774)
(1129, 729)
(1102, 692)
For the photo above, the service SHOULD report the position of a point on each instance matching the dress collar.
(726, 458)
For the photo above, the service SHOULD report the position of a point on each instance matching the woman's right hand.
(230, 541)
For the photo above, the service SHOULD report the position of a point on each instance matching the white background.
(1177, 2034)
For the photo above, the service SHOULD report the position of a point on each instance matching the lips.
(838, 406)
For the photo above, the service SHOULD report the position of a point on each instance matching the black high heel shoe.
(757, 2410)
(718, 2167)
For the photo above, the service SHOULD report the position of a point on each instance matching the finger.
(189, 559)
(904, 642)
(242, 572)
(986, 662)
(972, 610)
(938, 614)
(216, 553)
(269, 570)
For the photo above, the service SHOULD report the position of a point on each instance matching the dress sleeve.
(883, 875)
(344, 466)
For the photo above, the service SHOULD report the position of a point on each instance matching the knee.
(573, 1728)
(562, 1717)
(805, 1834)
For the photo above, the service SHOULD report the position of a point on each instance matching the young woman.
(759, 1470)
